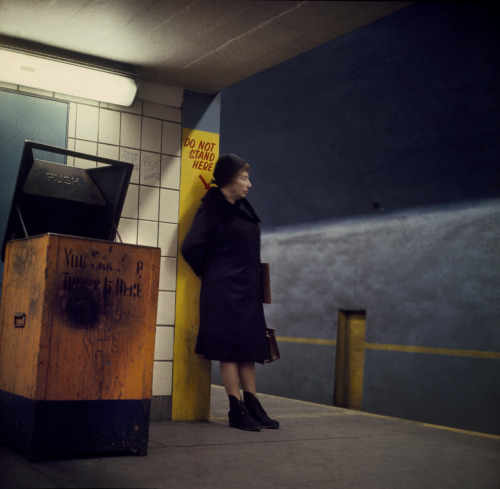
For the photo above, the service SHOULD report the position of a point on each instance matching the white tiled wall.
(148, 134)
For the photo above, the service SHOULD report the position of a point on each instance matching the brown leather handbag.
(274, 352)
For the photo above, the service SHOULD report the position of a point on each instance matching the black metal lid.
(55, 198)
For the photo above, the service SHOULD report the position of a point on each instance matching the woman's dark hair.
(227, 169)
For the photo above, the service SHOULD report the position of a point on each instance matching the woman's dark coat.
(223, 248)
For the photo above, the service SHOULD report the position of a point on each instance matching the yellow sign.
(191, 374)
(200, 151)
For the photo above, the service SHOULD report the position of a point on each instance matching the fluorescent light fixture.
(66, 77)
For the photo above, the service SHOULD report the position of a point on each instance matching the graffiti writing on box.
(90, 271)
(202, 153)
(103, 343)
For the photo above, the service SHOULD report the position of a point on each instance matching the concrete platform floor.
(317, 447)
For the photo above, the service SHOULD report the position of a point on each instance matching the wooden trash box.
(78, 312)
(78, 319)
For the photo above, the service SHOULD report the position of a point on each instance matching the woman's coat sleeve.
(195, 245)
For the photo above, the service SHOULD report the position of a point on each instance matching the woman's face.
(238, 188)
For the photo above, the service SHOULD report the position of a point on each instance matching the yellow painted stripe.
(361, 413)
(458, 430)
(491, 355)
(435, 351)
(336, 411)
(306, 341)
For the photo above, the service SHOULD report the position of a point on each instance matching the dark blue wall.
(376, 172)
(404, 112)
(201, 111)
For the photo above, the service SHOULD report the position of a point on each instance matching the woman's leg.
(230, 376)
(247, 377)
(233, 373)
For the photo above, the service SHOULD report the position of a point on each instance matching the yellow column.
(191, 372)
(350, 356)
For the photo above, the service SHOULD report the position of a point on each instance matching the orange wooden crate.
(78, 322)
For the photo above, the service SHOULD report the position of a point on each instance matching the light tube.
(66, 78)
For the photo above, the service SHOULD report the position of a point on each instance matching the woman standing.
(223, 248)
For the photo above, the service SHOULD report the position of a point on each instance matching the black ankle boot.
(239, 417)
(257, 412)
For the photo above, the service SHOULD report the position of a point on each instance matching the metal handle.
(19, 319)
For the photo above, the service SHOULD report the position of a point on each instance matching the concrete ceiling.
(202, 45)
